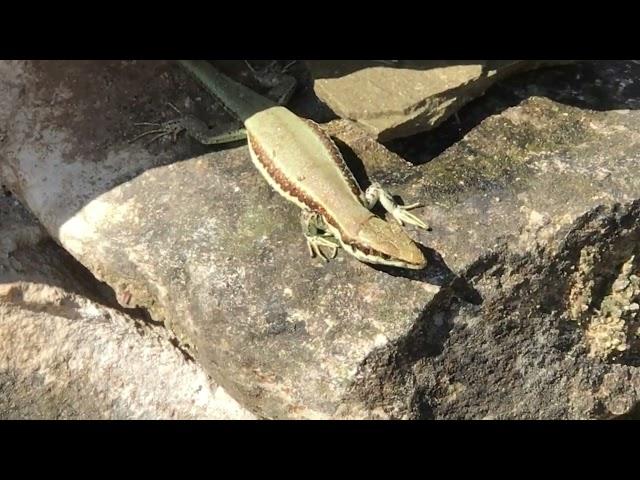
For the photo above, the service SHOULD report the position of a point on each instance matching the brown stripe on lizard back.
(281, 180)
(337, 157)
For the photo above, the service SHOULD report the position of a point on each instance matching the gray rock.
(393, 99)
(64, 356)
(29, 255)
(534, 211)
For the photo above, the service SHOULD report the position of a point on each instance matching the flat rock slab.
(533, 212)
(397, 98)
(66, 356)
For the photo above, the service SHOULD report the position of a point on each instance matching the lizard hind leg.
(375, 193)
(193, 126)
(171, 128)
(281, 85)
(312, 228)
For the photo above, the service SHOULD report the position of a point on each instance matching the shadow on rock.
(593, 85)
(437, 273)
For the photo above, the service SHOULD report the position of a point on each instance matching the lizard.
(301, 162)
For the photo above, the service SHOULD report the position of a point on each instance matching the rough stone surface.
(64, 356)
(489, 330)
(392, 99)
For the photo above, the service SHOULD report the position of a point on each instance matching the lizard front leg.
(375, 193)
(312, 228)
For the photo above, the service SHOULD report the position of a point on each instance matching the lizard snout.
(391, 241)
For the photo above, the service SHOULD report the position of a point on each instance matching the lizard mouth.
(412, 258)
(415, 261)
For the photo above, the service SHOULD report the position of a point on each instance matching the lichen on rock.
(581, 291)
(613, 326)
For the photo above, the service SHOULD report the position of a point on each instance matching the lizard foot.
(281, 85)
(375, 193)
(171, 129)
(193, 126)
(315, 242)
(312, 225)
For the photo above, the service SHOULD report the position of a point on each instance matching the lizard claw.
(171, 129)
(402, 216)
(376, 193)
(315, 242)
(312, 230)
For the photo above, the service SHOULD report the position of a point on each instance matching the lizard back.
(299, 159)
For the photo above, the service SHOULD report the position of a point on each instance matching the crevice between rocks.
(64, 271)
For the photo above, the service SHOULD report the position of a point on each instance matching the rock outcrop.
(527, 310)
(397, 98)
(64, 354)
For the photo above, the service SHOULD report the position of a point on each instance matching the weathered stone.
(397, 99)
(63, 356)
(487, 331)
(29, 255)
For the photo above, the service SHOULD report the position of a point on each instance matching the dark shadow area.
(43, 261)
(354, 163)
(632, 414)
(437, 273)
(595, 85)
(48, 263)
(4, 190)
(187, 356)
(426, 340)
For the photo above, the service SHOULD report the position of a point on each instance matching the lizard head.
(385, 243)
